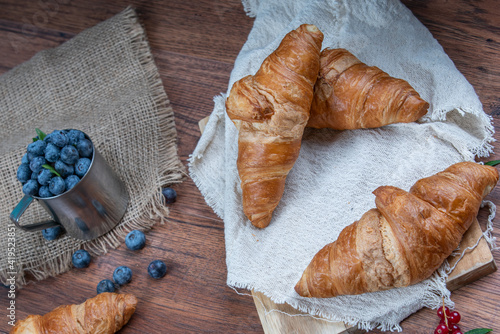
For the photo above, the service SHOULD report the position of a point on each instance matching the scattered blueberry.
(170, 195)
(44, 177)
(57, 185)
(74, 136)
(84, 147)
(135, 240)
(81, 258)
(36, 163)
(71, 181)
(58, 138)
(157, 269)
(37, 147)
(24, 173)
(52, 152)
(82, 166)
(69, 155)
(105, 285)
(25, 159)
(52, 233)
(44, 192)
(30, 188)
(122, 275)
(63, 169)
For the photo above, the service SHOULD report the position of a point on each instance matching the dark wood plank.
(469, 33)
(195, 44)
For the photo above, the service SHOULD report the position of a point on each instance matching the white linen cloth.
(332, 181)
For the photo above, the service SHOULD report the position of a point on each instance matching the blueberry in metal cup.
(71, 180)
(66, 154)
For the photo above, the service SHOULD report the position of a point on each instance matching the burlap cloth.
(105, 83)
(331, 183)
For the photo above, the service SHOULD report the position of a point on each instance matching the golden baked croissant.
(270, 110)
(351, 95)
(105, 313)
(405, 239)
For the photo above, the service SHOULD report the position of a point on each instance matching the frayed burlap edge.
(170, 169)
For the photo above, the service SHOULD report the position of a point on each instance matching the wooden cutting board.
(282, 318)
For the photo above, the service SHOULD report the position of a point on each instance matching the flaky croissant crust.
(105, 313)
(352, 95)
(270, 110)
(405, 239)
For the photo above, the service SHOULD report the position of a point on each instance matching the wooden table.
(195, 44)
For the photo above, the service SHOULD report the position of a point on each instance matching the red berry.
(453, 327)
(441, 329)
(440, 312)
(454, 317)
(457, 332)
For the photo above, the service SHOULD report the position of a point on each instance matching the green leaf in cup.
(41, 134)
(52, 170)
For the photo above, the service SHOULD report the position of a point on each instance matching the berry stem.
(444, 313)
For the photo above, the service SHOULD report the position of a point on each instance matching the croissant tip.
(130, 300)
(311, 28)
(262, 222)
(301, 288)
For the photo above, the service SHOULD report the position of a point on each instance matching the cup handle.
(19, 210)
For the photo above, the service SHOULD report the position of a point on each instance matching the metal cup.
(91, 208)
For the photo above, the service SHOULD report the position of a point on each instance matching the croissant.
(270, 110)
(105, 313)
(351, 95)
(405, 239)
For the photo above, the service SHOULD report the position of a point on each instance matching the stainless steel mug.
(91, 208)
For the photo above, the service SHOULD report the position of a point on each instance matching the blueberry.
(30, 188)
(157, 269)
(105, 286)
(52, 233)
(81, 258)
(57, 185)
(44, 192)
(82, 166)
(69, 155)
(37, 147)
(25, 159)
(122, 275)
(44, 177)
(74, 136)
(169, 194)
(135, 240)
(52, 152)
(24, 173)
(48, 138)
(34, 175)
(84, 147)
(30, 156)
(36, 163)
(71, 181)
(58, 138)
(63, 169)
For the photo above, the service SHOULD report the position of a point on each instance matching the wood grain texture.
(195, 43)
